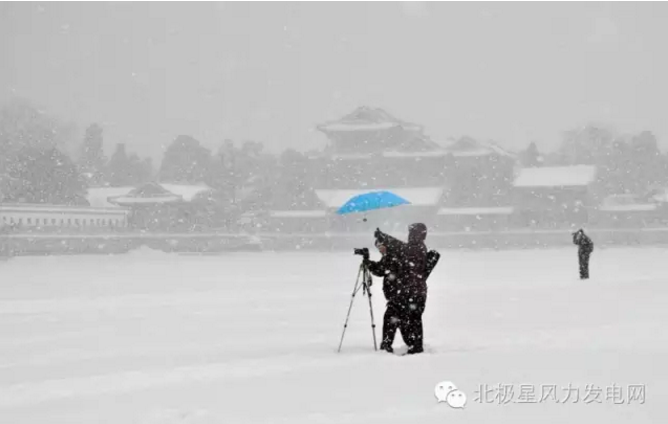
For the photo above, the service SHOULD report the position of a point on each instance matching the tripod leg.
(352, 298)
(373, 324)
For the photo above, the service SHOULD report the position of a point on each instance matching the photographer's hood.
(417, 233)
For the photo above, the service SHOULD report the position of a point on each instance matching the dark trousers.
(405, 314)
(583, 259)
(411, 326)
(394, 314)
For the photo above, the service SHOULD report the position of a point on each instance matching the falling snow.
(171, 186)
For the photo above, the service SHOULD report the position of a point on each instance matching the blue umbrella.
(371, 201)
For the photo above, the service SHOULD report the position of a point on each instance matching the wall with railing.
(212, 243)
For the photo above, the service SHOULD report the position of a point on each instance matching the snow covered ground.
(251, 338)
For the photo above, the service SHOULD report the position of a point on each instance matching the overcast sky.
(512, 72)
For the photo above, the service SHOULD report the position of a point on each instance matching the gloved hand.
(378, 234)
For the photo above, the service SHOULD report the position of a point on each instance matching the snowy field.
(251, 338)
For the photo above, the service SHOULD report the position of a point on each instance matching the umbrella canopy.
(371, 201)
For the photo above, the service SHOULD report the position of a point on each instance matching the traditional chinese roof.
(419, 154)
(188, 192)
(147, 194)
(469, 147)
(365, 118)
(99, 196)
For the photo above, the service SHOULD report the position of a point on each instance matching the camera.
(364, 252)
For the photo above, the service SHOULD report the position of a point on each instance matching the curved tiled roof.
(367, 118)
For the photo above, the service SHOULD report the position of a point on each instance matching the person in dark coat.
(585, 249)
(388, 267)
(412, 295)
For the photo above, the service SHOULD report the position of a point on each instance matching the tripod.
(365, 284)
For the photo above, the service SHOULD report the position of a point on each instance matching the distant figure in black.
(389, 267)
(585, 249)
(412, 291)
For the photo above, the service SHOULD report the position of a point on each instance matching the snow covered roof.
(367, 119)
(472, 153)
(625, 203)
(476, 211)
(557, 176)
(352, 156)
(128, 200)
(147, 194)
(98, 196)
(637, 207)
(427, 196)
(298, 214)
(468, 147)
(340, 126)
(390, 154)
(188, 192)
(661, 196)
(424, 154)
(620, 199)
(500, 150)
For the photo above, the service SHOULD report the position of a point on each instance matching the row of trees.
(121, 169)
(626, 163)
(33, 167)
(245, 176)
(40, 164)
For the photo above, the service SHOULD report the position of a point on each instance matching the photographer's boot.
(386, 347)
